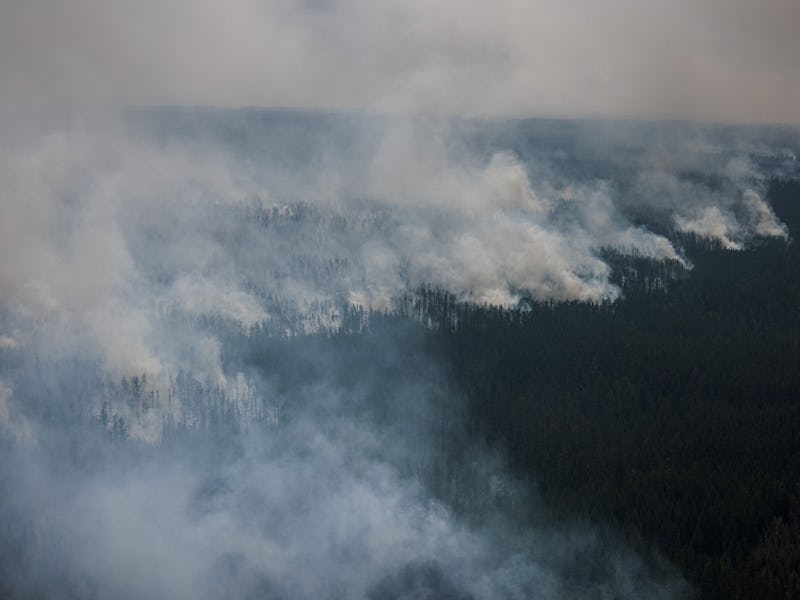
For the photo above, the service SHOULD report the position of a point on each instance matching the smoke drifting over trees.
(249, 214)
(178, 419)
(261, 352)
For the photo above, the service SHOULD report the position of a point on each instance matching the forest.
(536, 383)
(399, 300)
(671, 414)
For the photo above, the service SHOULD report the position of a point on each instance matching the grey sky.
(729, 60)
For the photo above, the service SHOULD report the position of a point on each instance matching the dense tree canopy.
(672, 415)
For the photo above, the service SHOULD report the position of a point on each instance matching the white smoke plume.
(725, 204)
(142, 240)
(322, 503)
(119, 224)
(130, 241)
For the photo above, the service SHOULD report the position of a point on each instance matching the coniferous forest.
(567, 374)
(671, 414)
(399, 300)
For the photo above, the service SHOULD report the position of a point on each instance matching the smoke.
(173, 429)
(712, 60)
(329, 498)
(14, 424)
(114, 230)
(289, 528)
(153, 442)
(283, 220)
(724, 202)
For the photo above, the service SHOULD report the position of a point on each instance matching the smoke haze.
(254, 216)
(178, 417)
(325, 499)
(170, 249)
(711, 60)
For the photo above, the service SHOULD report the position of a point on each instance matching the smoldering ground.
(176, 420)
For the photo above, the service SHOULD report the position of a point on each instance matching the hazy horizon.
(715, 60)
(341, 299)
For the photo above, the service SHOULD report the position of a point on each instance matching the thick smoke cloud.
(722, 60)
(158, 252)
(714, 192)
(731, 216)
(150, 255)
(328, 498)
(264, 218)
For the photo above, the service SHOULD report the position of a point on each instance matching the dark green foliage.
(674, 415)
(671, 415)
